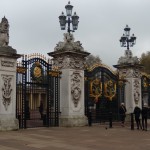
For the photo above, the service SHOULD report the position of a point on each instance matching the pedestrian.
(122, 112)
(144, 116)
(137, 113)
(41, 109)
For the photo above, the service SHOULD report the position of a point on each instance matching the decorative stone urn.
(69, 58)
(129, 69)
(8, 63)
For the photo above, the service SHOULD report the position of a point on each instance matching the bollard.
(44, 119)
(90, 118)
(19, 119)
(110, 119)
(132, 121)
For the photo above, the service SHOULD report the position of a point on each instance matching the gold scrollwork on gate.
(54, 73)
(95, 89)
(109, 89)
(21, 69)
(145, 83)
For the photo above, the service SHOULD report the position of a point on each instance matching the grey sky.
(34, 25)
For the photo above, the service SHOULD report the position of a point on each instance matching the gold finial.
(37, 63)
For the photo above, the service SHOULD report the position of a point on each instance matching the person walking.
(122, 112)
(144, 116)
(137, 113)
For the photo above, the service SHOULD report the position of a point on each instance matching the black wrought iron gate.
(145, 86)
(103, 93)
(37, 84)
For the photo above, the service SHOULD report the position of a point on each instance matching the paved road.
(76, 138)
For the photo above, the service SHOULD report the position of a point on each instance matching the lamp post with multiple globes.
(127, 40)
(68, 19)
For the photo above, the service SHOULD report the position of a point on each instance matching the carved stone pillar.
(129, 69)
(8, 63)
(69, 58)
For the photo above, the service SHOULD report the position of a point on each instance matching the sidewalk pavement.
(96, 137)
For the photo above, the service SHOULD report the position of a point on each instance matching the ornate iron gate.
(37, 83)
(103, 93)
(145, 86)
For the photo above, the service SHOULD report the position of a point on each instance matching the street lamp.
(127, 40)
(69, 19)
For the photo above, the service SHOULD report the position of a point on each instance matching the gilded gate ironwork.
(103, 91)
(36, 82)
(145, 86)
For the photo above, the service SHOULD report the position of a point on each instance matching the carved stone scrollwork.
(77, 63)
(7, 63)
(122, 73)
(76, 87)
(68, 37)
(128, 58)
(70, 62)
(130, 73)
(136, 86)
(69, 44)
(6, 90)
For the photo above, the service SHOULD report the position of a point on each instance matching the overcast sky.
(34, 25)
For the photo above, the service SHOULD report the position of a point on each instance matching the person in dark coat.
(144, 116)
(137, 113)
(122, 112)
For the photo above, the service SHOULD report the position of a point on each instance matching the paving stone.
(76, 138)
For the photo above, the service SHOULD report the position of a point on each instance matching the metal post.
(110, 119)
(69, 21)
(90, 118)
(132, 121)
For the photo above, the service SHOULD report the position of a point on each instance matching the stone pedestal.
(129, 70)
(8, 63)
(69, 58)
(72, 98)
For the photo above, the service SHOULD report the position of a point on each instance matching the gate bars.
(36, 81)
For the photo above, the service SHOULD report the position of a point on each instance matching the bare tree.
(91, 60)
(145, 61)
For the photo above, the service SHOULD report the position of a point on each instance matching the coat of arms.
(95, 89)
(109, 89)
(37, 72)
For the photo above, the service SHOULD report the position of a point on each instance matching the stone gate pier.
(8, 63)
(129, 69)
(69, 58)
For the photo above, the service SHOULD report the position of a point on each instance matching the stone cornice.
(124, 66)
(58, 53)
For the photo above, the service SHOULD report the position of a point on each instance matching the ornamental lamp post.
(75, 21)
(68, 19)
(69, 9)
(127, 40)
(62, 20)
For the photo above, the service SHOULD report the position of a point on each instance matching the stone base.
(128, 117)
(9, 124)
(74, 121)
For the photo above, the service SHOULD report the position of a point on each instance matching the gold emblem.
(109, 89)
(37, 72)
(95, 89)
